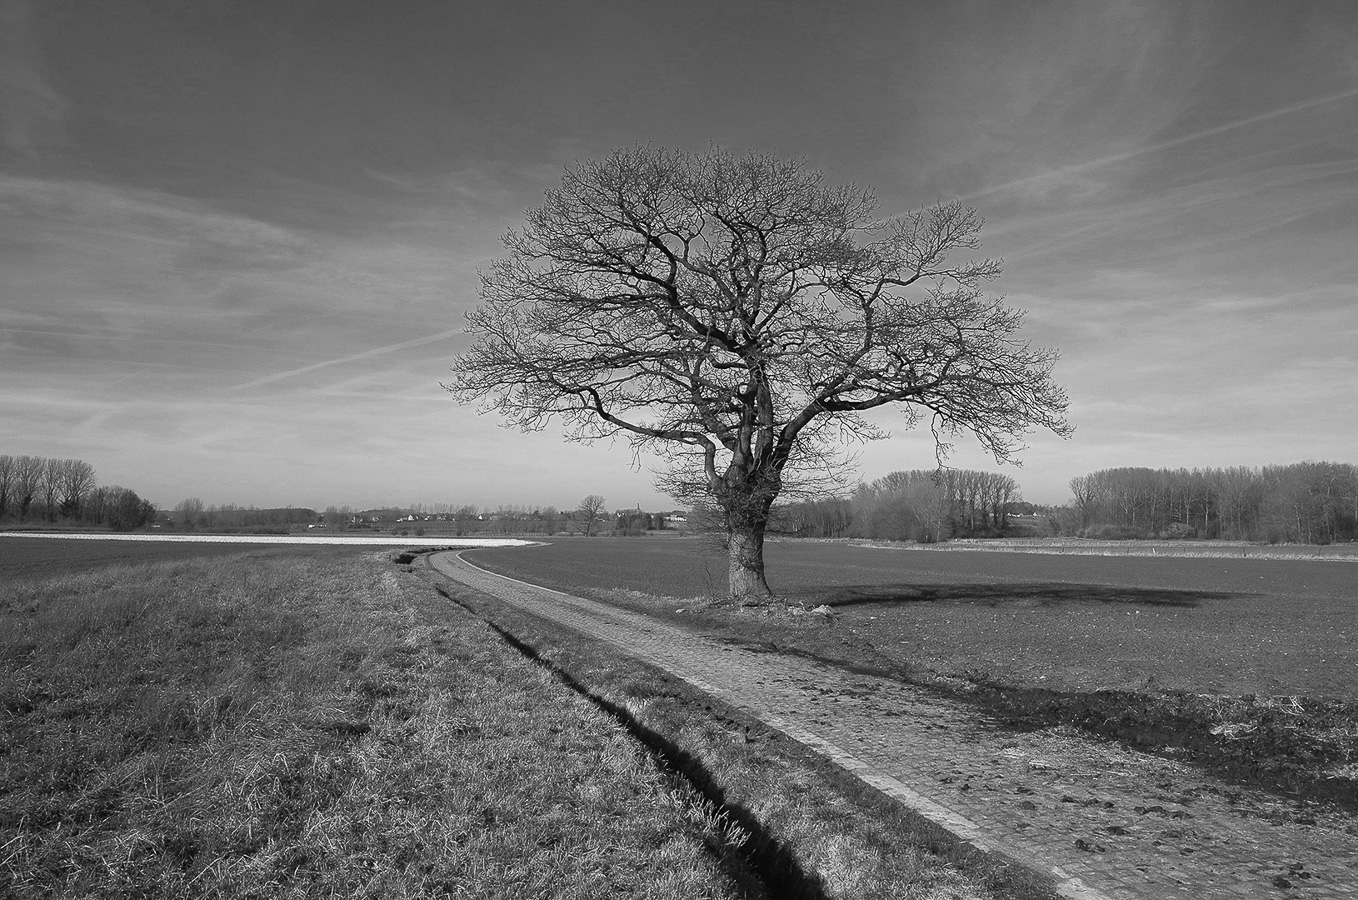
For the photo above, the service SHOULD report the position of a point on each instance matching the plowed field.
(1077, 623)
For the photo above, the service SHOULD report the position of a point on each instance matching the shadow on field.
(1021, 594)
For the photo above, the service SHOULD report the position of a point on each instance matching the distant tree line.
(192, 515)
(917, 505)
(634, 521)
(1307, 503)
(513, 519)
(1310, 503)
(591, 517)
(37, 489)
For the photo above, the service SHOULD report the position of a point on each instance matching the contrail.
(278, 376)
(1151, 148)
(128, 338)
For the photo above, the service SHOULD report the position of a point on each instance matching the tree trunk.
(748, 586)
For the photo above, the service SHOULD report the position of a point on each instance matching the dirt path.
(1105, 822)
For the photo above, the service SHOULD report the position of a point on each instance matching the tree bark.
(748, 586)
(746, 493)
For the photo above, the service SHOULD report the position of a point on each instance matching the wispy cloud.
(122, 267)
(76, 211)
(28, 104)
(1061, 174)
(354, 357)
(126, 338)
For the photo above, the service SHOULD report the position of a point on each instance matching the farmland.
(1245, 667)
(1211, 625)
(1018, 634)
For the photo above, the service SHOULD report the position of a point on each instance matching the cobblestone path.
(1105, 822)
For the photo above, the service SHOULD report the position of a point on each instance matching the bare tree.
(7, 467)
(188, 513)
(76, 481)
(738, 316)
(590, 512)
(28, 471)
(1082, 497)
(123, 510)
(49, 485)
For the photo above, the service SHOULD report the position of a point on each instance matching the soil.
(1243, 667)
(1298, 748)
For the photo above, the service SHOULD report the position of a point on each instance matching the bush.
(1112, 533)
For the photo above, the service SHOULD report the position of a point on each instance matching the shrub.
(1112, 533)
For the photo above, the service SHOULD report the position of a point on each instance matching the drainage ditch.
(761, 861)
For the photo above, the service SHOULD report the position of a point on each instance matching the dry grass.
(307, 726)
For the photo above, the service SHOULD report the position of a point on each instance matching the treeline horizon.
(1301, 503)
(1304, 503)
(925, 505)
(192, 515)
(52, 490)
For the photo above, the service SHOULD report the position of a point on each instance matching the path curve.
(1104, 822)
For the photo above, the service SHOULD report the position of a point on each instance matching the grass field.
(1197, 658)
(38, 553)
(41, 556)
(314, 724)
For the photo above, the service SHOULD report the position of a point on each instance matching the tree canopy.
(738, 315)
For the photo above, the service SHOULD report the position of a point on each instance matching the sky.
(237, 239)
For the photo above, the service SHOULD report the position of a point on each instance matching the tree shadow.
(1014, 594)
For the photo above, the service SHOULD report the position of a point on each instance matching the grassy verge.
(319, 724)
(814, 831)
